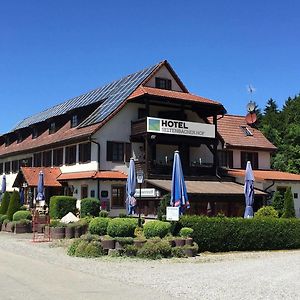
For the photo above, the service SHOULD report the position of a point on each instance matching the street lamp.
(140, 180)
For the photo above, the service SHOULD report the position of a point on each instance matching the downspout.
(98, 168)
(266, 189)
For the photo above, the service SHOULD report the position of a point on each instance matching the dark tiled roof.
(229, 127)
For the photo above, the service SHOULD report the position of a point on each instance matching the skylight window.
(246, 131)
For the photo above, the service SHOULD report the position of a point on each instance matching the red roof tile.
(229, 127)
(117, 175)
(65, 133)
(144, 90)
(76, 175)
(266, 175)
(109, 175)
(31, 176)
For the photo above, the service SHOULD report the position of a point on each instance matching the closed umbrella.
(130, 188)
(249, 191)
(40, 187)
(22, 196)
(179, 197)
(3, 186)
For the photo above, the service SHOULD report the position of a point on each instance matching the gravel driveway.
(235, 275)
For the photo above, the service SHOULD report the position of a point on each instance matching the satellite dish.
(251, 107)
(251, 118)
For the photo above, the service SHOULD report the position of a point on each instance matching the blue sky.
(53, 50)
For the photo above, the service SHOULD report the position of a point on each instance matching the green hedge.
(22, 215)
(99, 226)
(90, 207)
(238, 234)
(156, 228)
(61, 205)
(122, 227)
(4, 203)
(14, 204)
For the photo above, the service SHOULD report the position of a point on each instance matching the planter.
(118, 246)
(108, 244)
(188, 252)
(78, 232)
(58, 232)
(139, 243)
(84, 229)
(3, 227)
(179, 242)
(21, 228)
(172, 243)
(189, 241)
(70, 232)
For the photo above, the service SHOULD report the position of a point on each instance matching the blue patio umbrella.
(3, 186)
(249, 191)
(130, 188)
(179, 197)
(21, 196)
(40, 187)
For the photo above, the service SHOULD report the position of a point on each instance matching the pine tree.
(4, 203)
(14, 204)
(289, 210)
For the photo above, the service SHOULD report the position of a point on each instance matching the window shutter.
(127, 152)
(109, 151)
(243, 160)
(255, 160)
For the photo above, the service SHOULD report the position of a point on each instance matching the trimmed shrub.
(14, 204)
(289, 209)
(177, 252)
(278, 203)
(123, 241)
(81, 248)
(186, 232)
(94, 249)
(103, 214)
(4, 203)
(122, 227)
(72, 248)
(130, 250)
(61, 205)
(55, 223)
(155, 250)
(238, 234)
(3, 218)
(156, 228)
(85, 248)
(22, 215)
(164, 202)
(90, 207)
(99, 226)
(266, 212)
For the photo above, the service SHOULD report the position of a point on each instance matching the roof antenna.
(251, 117)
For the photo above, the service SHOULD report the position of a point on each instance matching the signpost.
(140, 180)
(172, 213)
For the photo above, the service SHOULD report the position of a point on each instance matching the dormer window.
(52, 128)
(163, 83)
(246, 131)
(35, 133)
(19, 138)
(74, 121)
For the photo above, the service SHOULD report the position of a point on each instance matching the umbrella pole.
(139, 207)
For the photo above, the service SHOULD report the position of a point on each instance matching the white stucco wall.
(164, 73)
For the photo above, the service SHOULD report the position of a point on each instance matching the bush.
(177, 252)
(98, 226)
(186, 232)
(85, 248)
(266, 211)
(278, 203)
(156, 228)
(238, 234)
(14, 204)
(155, 250)
(61, 205)
(130, 250)
(123, 241)
(90, 207)
(122, 227)
(22, 215)
(3, 218)
(4, 203)
(164, 202)
(72, 248)
(289, 209)
(56, 223)
(103, 214)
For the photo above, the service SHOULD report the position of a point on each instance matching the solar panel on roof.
(112, 95)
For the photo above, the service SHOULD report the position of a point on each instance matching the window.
(296, 195)
(7, 167)
(163, 83)
(225, 159)
(58, 157)
(118, 197)
(84, 152)
(52, 128)
(35, 133)
(84, 191)
(74, 121)
(37, 159)
(246, 131)
(249, 156)
(25, 162)
(71, 155)
(118, 151)
(15, 166)
(1, 168)
(47, 158)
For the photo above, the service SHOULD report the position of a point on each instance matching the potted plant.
(179, 241)
(139, 242)
(121, 242)
(190, 251)
(22, 226)
(57, 229)
(108, 242)
(186, 233)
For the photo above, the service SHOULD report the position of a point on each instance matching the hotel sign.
(167, 126)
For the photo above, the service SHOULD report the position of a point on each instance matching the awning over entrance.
(30, 175)
(103, 175)
(206, 187)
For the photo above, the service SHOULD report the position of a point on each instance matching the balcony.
(138, 127)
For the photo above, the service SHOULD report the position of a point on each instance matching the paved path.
(35, 271)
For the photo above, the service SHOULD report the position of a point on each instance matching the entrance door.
(84, 191)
